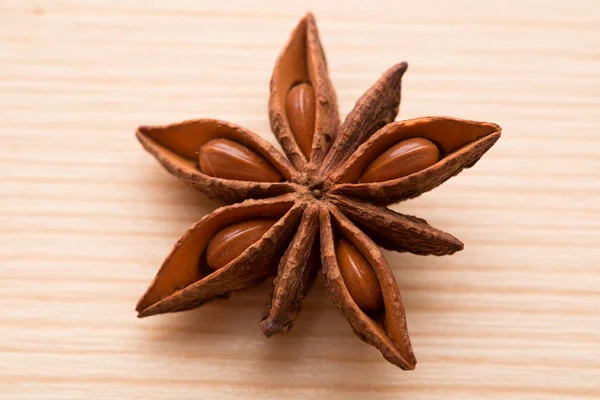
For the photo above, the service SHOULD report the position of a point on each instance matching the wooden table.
(86, 216)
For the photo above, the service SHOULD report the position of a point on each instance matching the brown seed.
(300, 110)
(402, 159)
(359, 277)
(223, 158)
(230, 242)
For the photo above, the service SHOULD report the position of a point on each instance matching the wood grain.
(86, 216)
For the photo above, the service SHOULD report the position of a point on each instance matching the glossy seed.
(224, 158)
(230, 242)
(402, 159)
(300, 110)
(359, 277)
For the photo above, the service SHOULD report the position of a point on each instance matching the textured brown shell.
(376, 108)
(389, 337)
(303, 60)
(176, 148)
(395, 231)
(462, 142)
(179, 284)
(293, 276)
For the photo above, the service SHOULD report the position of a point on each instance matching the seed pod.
(461, 143)
(230, 242)
(303, 60)
(321, 207)
(223, 158)
(402, 159)
(359, 277)
(371, 327)
(300, 110)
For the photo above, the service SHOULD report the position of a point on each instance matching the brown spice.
(223, 158)
(320, 208)
(402, 159)
(229, 243)
(359, 278)
(300, 112)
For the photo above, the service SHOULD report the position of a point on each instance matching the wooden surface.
(86, 216)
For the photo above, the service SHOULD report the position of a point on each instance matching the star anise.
(322, 207)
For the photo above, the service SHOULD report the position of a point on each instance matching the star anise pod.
(322, 207)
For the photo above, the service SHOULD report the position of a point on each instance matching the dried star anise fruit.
(322, 207)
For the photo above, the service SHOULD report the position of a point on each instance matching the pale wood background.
(86, 216)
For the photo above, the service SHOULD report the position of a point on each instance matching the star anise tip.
(309, 16)
(270, 328)
(402, 66)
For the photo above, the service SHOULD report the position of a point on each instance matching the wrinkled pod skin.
(402, 159)
(300, 110)
(359, 277)
(223, 158)
(230, 242)
(320, 207)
